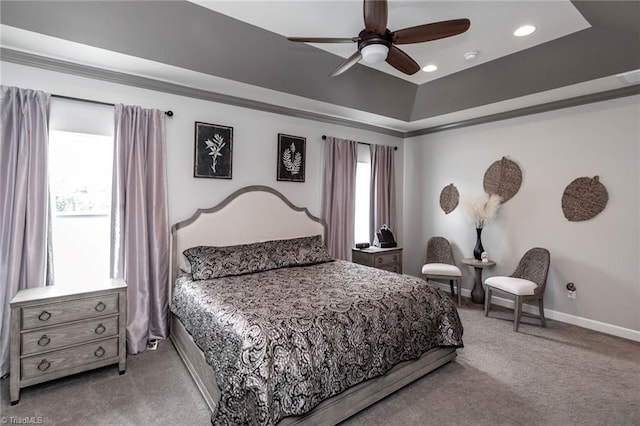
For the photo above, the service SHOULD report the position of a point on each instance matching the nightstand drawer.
(389, 259)
(51, 362)
(64, 335)
(392, 268)
(382, 259)
(56, 313)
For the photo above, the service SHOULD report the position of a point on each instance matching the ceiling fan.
(376, 43)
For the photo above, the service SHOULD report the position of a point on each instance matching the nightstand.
(57, 331)
(389, 259)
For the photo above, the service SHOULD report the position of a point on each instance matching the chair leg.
(451, 286)
(517, 313)
(459, 287)
(487, 301)
(541, 307)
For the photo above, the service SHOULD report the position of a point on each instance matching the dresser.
(58, 330)
(389, 259)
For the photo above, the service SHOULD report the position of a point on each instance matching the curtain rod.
(91, 101)
(395, 148)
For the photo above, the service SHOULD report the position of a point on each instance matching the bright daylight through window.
(80, 170)
(363, 179)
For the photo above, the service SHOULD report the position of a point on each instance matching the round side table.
(477, 293)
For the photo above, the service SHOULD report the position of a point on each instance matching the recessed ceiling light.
(470, 56)
(430, 68)
(524, 30)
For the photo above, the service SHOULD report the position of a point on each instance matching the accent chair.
(527, 282)
(440, 264)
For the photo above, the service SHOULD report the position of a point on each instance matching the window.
(80, 170)
(363, 194)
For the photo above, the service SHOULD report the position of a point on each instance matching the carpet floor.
(559, 375)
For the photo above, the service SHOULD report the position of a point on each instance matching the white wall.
(254, 145)
(601, 256)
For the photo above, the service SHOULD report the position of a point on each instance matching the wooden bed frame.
(260, 213)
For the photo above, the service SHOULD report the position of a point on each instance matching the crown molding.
(51, 64)
(57, 65)
(534, 109)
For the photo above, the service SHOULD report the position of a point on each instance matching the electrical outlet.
(571, 294)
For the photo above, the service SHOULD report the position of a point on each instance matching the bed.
(302, 339)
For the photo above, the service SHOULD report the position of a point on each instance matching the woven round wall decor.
(449, 198)
(503, 178)
(584, 199)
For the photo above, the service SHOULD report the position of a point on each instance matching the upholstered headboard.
(249, 215)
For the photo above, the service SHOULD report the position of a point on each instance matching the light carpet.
(559, 375)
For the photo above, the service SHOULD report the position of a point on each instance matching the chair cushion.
(517, 286)
(441, 269)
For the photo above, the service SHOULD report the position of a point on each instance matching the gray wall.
(601, 256)
(254, 145)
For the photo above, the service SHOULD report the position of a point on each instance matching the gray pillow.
(215, 262)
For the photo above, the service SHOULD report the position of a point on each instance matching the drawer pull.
(100, 307)
(44, 315)
(395, 257)
(44, 365)
(100, 329)
(379, 260)
(99, 352)
(44, 340)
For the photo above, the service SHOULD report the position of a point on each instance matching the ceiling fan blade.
(351, 61)
(375, 16)
(324, 39)
(428, 32)
(401, 61)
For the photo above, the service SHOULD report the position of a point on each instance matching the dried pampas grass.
(481, 210)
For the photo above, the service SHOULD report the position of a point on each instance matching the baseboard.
(602, 327)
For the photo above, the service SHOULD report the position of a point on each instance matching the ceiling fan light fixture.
(376, 43)
(524, 30)
(374, 53)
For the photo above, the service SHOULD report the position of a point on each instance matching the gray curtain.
(382, 208)
(139, 222)
(25, 238)
(338, 195)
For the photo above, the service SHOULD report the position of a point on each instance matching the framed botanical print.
(213, 153)
(291, 158)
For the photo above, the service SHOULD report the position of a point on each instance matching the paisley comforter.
(281, 341)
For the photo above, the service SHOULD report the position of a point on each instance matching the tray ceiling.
(186, 44)
(490, 35)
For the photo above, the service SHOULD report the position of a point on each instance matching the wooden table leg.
(477, 293)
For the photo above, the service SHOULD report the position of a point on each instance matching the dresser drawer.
(51, 362)
(56, 313)
(61, 330)
(382, 259)
(64, 335)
